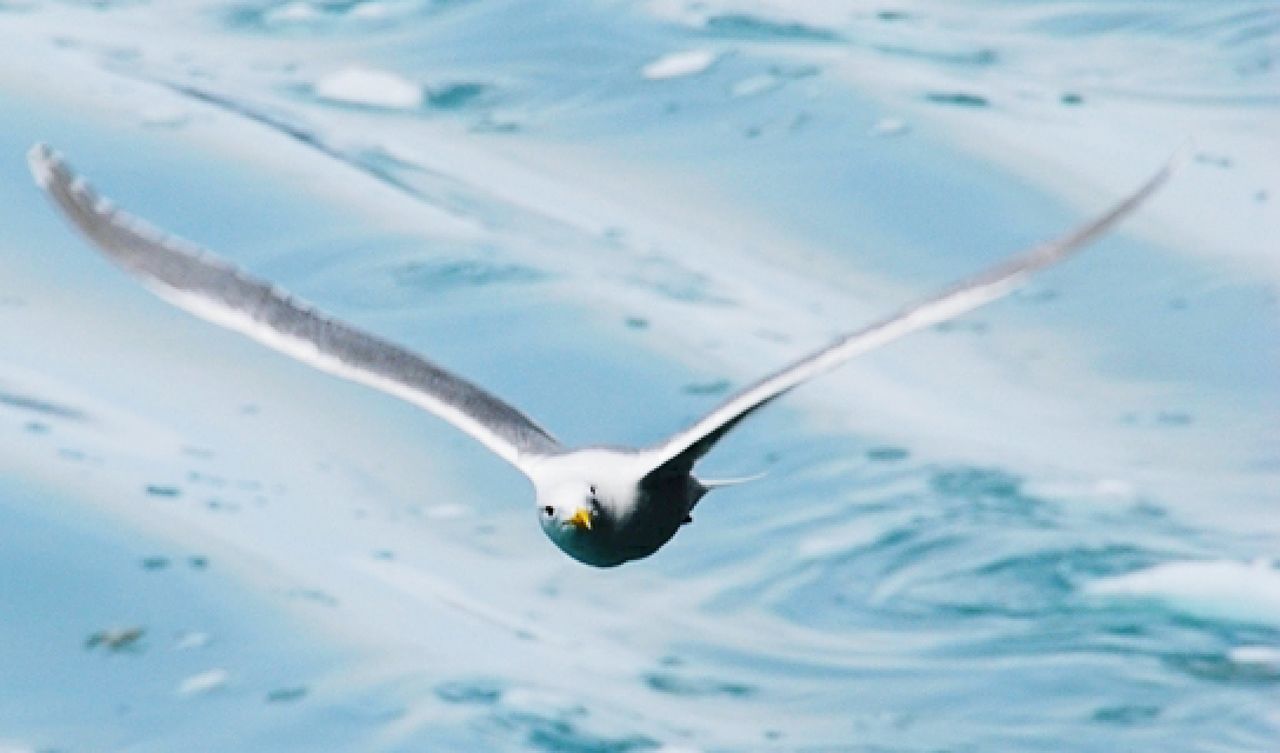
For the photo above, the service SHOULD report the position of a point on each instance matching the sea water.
(1049, 525)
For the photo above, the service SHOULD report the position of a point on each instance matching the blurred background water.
(1050, 525)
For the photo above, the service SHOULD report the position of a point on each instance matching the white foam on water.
(447, 512)
(890, 127)
(203, 682)
(678, 64)
(753, 85)
(358, 85)
(191, 640)
(1212, 589)
(1267, 657)
(370, 11)
(293, 13)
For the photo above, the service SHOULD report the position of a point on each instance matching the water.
(1050, 525)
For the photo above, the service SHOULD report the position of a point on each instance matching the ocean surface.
(1051, 525)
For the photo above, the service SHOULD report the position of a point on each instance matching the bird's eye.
(593, 490)
(548, 511)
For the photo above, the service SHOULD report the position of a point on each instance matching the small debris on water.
(707, 388)
(287, 695)
(155, 563)
(959, 99)
(116, 639)
(886, 454)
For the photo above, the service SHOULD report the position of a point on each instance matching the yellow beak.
(581, 518)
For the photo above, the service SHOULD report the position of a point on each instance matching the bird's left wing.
(201, 283)
(678, 453)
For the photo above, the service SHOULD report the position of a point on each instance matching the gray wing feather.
(679, 452)
(209, 287)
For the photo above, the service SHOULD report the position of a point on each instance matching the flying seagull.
(601, 505)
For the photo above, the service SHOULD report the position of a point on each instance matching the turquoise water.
(1051, 525)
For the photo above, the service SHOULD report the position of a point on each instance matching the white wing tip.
(43, 161)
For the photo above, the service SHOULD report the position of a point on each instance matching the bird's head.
(575, 519)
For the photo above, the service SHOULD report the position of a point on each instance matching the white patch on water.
(1105, 490)
(890, 127)
(203, 682)
(679, 64)
(1267, 657)
(753, 85)
(1211, 590)
(538, 700)
(834, 540)
(191, 640)
(358, 85)
(446, 512)
(370, 11)
(294, 12)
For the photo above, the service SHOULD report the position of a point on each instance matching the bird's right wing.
(679, 452)
(199, 282)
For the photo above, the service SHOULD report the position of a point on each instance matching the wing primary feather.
(679, 452)
(209, 287)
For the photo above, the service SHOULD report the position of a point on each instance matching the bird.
(601, 505)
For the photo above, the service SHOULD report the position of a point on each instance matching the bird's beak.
(581, 519)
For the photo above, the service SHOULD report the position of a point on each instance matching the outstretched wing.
(681, 451)
(201, 283)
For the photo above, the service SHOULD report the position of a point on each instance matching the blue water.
(1051, 525)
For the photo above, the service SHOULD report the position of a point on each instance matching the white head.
(583, 499)
(574, 519)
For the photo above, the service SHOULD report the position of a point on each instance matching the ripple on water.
(42, 406)
(535, 718)
(441, 275)
(951, 543)
(563, 736)
(887, 454)
(291, 694)
(305, 18)
(680, 685)
(457, 95)
(957, 99)
(484, 692)
(670, 279)
(755, 28)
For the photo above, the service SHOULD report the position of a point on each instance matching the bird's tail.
(716, 483)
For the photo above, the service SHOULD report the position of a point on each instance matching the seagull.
(601, 505)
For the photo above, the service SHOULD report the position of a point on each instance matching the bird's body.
(601, 505)
(632, 510)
